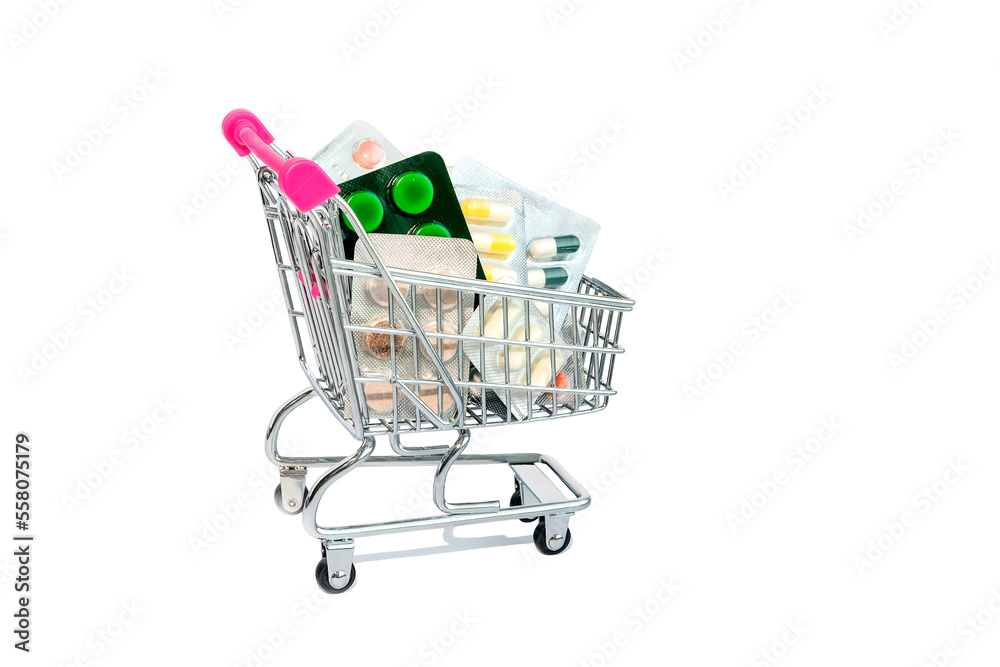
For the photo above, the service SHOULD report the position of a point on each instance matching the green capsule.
(553, 246)
(553, 277)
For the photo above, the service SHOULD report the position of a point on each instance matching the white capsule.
(541, 367)
(517, 354)
(494, 317)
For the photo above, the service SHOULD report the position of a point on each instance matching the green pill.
(368, 207)
(432, 229)
(412, 192)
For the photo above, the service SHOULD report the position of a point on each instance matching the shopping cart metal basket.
(303, 211)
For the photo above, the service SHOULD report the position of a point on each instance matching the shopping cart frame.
(303, 209)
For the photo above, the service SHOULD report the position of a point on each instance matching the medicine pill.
(517, 354)
(368, 154)
(449, 297)
(432, 229)
(547, 248)
(494, 317)
(382, 345)
(378, 396)
(541, 367)
(367, 207)
(449, 346)
(428, 393)
(493, 245)
(378, 291)
(412, 192)
(553, 277)
(496, 273)
(486, 212)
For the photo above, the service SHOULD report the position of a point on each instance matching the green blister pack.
(412, 196)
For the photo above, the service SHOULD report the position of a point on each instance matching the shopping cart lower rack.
(303, 210)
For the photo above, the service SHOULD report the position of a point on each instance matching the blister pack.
(359, 149)
(559, 241)
(528, 365)
(413, 197)
(495, 217)
(438, 311)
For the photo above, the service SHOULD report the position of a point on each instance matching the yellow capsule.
(486, 212)
(495, 273)
(494, 245)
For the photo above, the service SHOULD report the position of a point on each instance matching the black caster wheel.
(323, 578)
(285, 508)
(515, 501)
(539, 538)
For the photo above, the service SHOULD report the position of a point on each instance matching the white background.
(686, 462)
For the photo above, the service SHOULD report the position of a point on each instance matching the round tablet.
(449, 346)
(412, 192)
(432, 229)
(368, 153)
(368, 207)
(382, 345)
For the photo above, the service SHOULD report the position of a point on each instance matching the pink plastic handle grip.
(303, 181)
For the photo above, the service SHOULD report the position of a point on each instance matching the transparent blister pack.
(396, 352)
(359, 149)
(531, 365)
(495, 217)
(559, 241)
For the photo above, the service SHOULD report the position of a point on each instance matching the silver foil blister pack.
(437, 310)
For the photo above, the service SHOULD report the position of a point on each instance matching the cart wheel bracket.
(556, 530)
(339, 556)
(292, 490)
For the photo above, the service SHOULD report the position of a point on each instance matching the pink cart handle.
(302, 180)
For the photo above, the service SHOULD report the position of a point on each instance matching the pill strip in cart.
(304, 213)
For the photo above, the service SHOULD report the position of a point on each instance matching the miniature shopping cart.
(303, 211)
